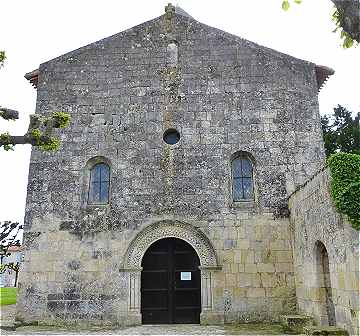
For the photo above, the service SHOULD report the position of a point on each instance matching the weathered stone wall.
(314, 218)
(223, 94)
(79, 279)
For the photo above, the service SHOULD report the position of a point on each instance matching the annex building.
(189, 187)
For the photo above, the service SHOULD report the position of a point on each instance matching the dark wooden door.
(170, 283)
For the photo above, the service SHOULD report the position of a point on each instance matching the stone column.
(208, 313)
(134, 296)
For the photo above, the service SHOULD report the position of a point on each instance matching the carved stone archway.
(171, 229)
(168, 229)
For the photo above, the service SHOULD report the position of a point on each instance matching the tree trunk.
(19, 140)
(16, 278)
(351, 17)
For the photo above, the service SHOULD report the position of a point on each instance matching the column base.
(133, 320)
(211, 318)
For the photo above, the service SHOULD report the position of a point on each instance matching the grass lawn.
(7, 295)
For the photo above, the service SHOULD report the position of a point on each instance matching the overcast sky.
(33, 32)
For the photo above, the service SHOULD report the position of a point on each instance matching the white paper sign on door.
(185, 276)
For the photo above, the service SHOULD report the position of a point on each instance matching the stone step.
(7, 326)
(295, 323)
(325, 331)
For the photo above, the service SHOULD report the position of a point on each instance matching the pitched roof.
(322, 75)
(33, 77)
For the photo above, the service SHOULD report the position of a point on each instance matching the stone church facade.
(174, 177)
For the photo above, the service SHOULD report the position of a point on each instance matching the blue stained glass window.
(99, 184)
(242, 183)
(237, 168)
(237, 189)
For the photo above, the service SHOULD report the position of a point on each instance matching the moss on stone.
(254, 329)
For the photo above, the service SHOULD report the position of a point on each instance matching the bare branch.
(7, 236)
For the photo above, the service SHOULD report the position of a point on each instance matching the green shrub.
(345, 185)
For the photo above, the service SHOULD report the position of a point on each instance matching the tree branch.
(8, 114)
(39, 132)
(24, 139)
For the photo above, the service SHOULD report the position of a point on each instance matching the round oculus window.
(171, 136)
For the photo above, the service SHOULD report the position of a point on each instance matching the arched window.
(242, 179)
(99, 184)
(172, 54)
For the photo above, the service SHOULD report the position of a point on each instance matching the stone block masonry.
(226, 97)
(331, 294)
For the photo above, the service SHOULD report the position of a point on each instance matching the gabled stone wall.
(314, 219)
(224, 95)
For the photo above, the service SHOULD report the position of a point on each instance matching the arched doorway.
(132, 266)
(170, 283)
(324, 285)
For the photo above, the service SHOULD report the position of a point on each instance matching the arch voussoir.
(166, 229)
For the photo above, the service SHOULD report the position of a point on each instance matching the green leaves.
(2, 58)
(337, 17)
(6, 140)
(8, 147)
(62, 119)
(341, 131)
(52, 144)
(285, 5)
(345, 185)
(348, 41)
(36, 134)
(46, 144)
